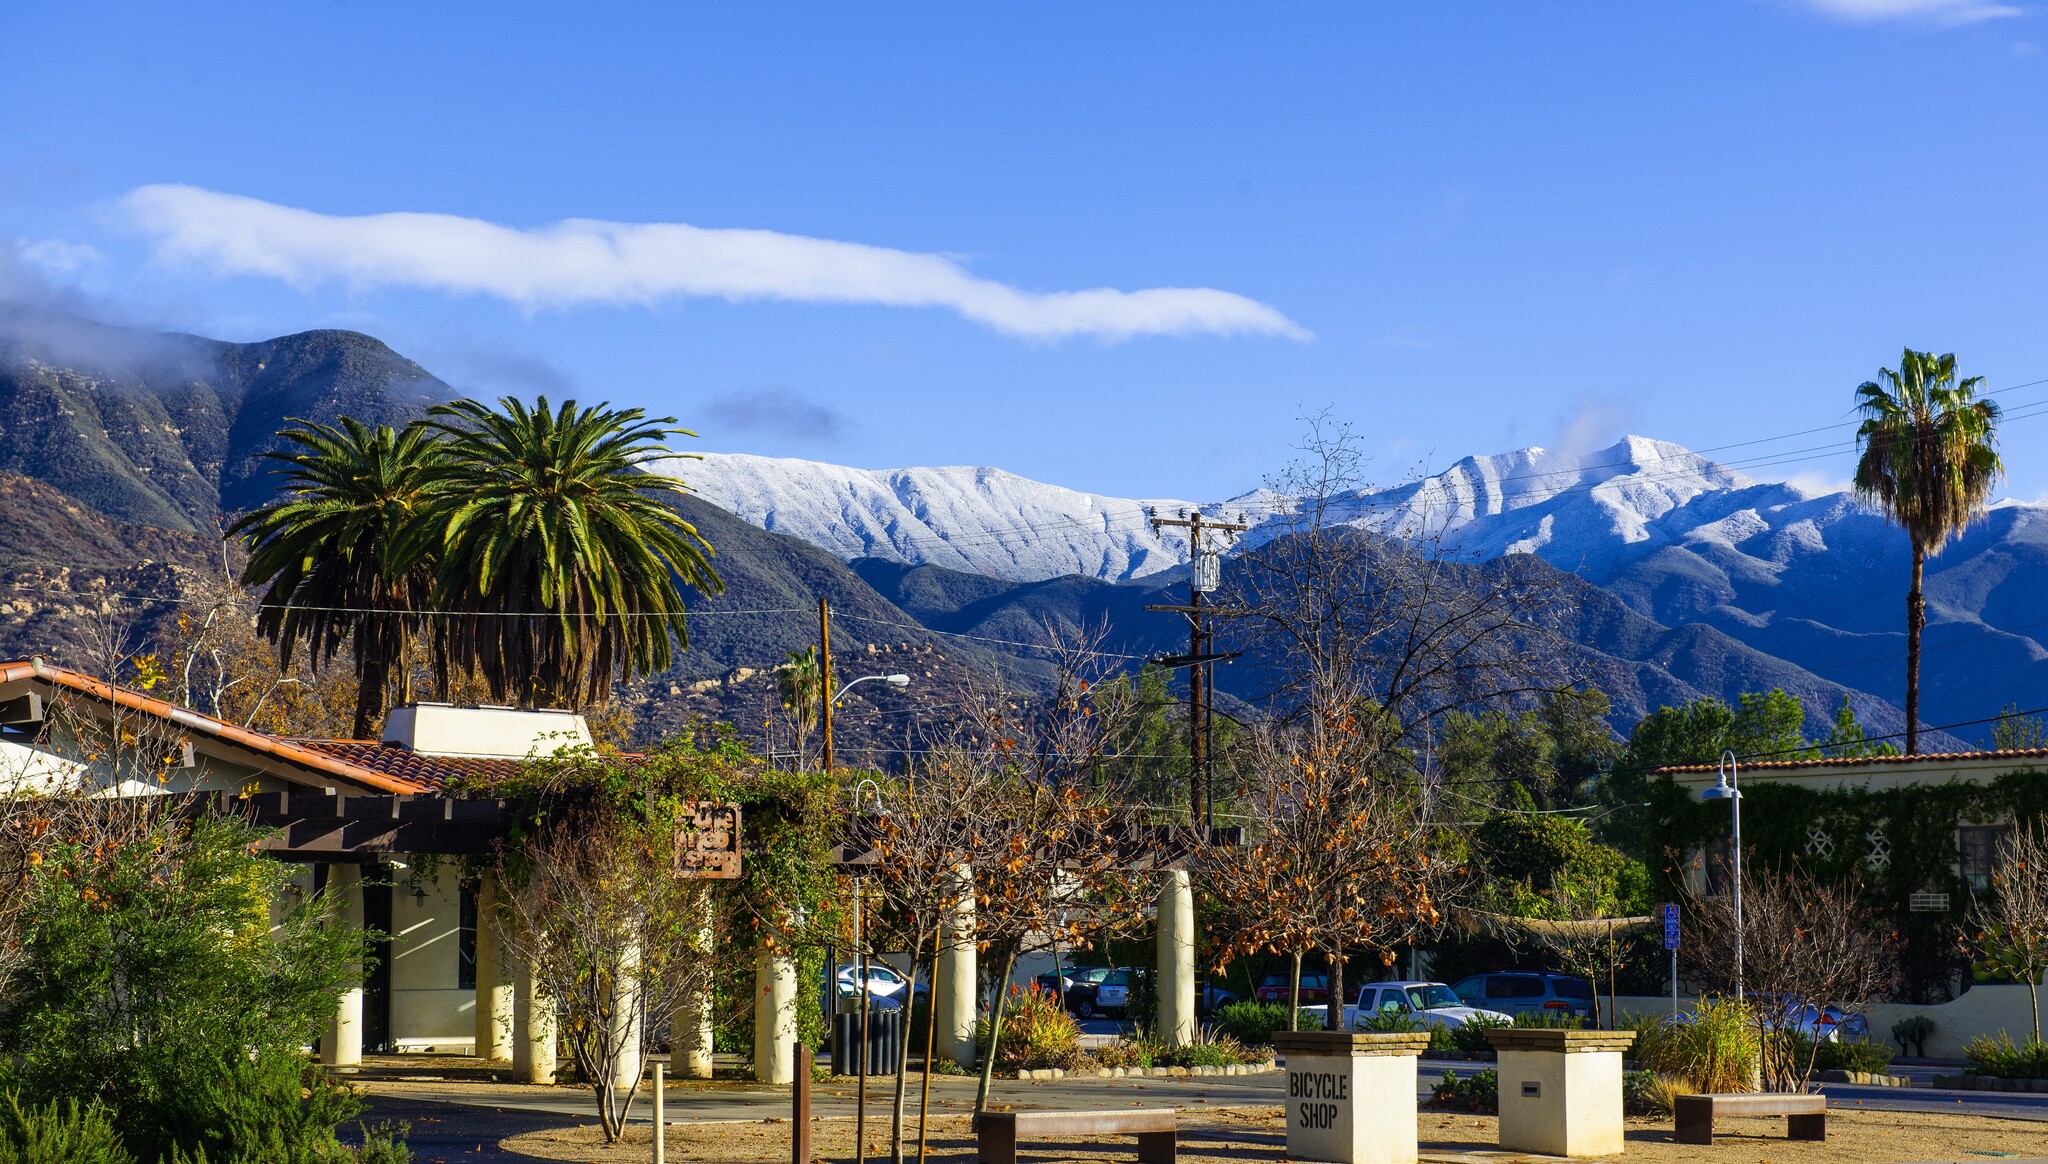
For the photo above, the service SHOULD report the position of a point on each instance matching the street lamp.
(892, 680)
(1725, 789)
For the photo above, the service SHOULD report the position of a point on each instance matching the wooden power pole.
(825, 679)
(1205, 571)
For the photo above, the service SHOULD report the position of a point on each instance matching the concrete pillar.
(1560, 1091)
(533, 1025)
(1351, 1098)
(774, 1016)
(1174, 976)
(342, 1045)
(690, 1031)
(493, 978)
(954, 993)
(628, 1028)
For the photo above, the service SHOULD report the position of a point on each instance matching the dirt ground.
(1236, 1135)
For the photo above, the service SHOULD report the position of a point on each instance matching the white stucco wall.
(1981, 1010)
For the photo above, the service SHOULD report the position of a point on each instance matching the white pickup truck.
(1431, 1002)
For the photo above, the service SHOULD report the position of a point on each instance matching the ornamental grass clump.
(1716, 1051)
(1037, 1033)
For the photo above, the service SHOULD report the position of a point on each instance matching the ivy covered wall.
(1896, 841)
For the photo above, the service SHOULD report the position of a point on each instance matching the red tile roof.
(432, 773)
(38, 669)
(1934, 758)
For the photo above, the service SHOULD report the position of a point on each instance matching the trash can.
(885, 1028)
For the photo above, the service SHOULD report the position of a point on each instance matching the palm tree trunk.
(1916, 619)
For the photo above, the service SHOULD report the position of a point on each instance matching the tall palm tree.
(341, 553)
(1929, 458)
(559, 562)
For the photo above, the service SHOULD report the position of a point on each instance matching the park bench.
(1806, 1116)
(996, 1137)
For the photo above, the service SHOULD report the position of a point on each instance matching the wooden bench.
(1806, 1116)
(998, 1133)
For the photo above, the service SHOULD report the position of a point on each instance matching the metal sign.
(708, 845)
(1670, 926)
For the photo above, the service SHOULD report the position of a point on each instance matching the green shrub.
(2003, 1058)
(59, 1134)
(155, 981)
(1252, 1023)
(1480, 1093)
(1471, 1038)
(385, 1144)
(1842, 1055)
(1389, 1022)
(1550, 1020)
(1646, 1093)
(1037, 1033)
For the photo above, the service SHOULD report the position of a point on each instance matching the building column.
(774, 1016)
(493, 978)
(1174, 977)
(342, 1045)
(690, 1031)
(533, 1025)
(954, 994)
(628, 1028)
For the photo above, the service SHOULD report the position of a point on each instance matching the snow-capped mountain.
(980, 520)
(1572, 509)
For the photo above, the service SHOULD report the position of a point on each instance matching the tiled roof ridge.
(1858, 761)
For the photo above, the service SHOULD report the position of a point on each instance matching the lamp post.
(1726, 789)
(825, 676)
(860, 941)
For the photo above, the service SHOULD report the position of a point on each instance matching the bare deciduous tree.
(597, 909)
(1805, 943)
(2012, 919)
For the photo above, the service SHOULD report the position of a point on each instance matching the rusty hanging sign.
(708, 845)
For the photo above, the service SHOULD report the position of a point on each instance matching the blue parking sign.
(1670, 926)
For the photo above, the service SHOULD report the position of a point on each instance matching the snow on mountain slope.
(1575, 510)
(980, 520)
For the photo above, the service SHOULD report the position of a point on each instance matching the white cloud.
(59, 257)
(1942, 12)
(581, 260)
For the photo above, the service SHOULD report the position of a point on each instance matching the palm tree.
(1929, 458)
(559, 561)
(341, 554)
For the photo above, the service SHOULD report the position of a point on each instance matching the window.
(465, 938)
(1979, 844)
(1571, 988)
(1514, 986)
(1433, 995)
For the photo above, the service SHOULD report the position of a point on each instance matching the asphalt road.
(956, 1093)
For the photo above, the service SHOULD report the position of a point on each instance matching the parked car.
(1820, 1024)
(1077, 985)
(1210, 998)
(1524, 991)
(1432, 1002)
(883, 981)
(1315, 987)
(1118, 991)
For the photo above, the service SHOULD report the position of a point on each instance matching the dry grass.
(1235, 1135)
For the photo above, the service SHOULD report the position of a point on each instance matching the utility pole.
(825, 679)
(1205, 572)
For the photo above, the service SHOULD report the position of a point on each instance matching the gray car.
(1515, 992)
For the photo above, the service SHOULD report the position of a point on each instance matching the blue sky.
(1468, 227)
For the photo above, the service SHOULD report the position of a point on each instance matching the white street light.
(1725, 789)
(891, 680)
